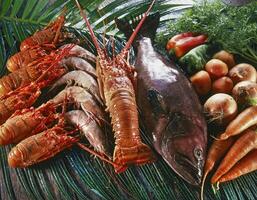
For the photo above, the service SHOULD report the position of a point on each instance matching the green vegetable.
(233, 28)
(195, 59)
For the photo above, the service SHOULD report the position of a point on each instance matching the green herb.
(234, 28)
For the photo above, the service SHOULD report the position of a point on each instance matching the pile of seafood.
(42, 69)
(54, 96)
(66, 73)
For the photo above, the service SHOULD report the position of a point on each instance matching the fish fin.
(148, 29)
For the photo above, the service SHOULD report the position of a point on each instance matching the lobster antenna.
(96, 154)
(103, 35)
(132, 37)
(113, 47)
(83, 14)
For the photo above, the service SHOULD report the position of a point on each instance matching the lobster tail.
(129, 148)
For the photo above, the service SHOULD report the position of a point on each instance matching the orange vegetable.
(244, 120)
(242, 72)
(222, 85)
(226, 57)
(171, 43)
(246, 165)
(201, 82)
(215, 153)
(186, 44)
(244, 144)
(216, 68)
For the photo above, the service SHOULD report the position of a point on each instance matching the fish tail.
(148, 29)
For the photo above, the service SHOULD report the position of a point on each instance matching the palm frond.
(74, 174)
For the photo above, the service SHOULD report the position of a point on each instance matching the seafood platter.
(168, 113)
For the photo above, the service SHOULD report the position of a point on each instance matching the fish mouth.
(181, 142)
(185, 157)
(192, 173)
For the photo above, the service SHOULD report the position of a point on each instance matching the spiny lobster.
(24, 97)
(117, 80)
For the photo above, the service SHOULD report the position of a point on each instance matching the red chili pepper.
(184, 45)
(171, 43)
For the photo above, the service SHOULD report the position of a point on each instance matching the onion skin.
(245, 93)
(216, 68)
(201, 82)
(243, 72)
(222, 85)
(220, 109)
(226, 57)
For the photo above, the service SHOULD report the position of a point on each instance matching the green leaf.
(16, 6)
(38, 8)
(28, 9)
(5, 7)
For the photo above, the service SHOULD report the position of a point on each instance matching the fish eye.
(198, 153)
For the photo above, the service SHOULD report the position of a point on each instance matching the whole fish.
(169, 106)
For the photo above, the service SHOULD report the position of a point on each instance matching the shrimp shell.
(82, 98)
(90, 128)
(80, 52)
(50, 36)
(80, 64)
(81, 79)
(18, 78)
(18, 100)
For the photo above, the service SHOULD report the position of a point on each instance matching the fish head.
(180, 137)
(183, 146)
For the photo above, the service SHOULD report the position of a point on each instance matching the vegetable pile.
(221, 68)
(233, 28)
(231, 93)
(230, 89)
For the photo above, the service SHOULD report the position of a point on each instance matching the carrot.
(215, 153)
(243, 145)
(244, 166)
(244, 120)
(172, 42)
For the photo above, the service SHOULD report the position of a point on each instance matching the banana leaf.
(74, 174)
